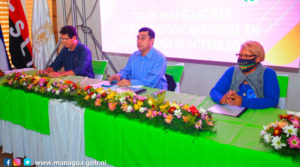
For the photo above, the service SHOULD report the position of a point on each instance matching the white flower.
(122, 100)
(57, 92)
(129, 109)
(276, 143)
(202, 110)
(267, 137)
(143, 109)
(177, 113)
(36, 89)
(67, 90)
(293, 113)
(262, 133)
(290, 130)
(94, 96)
(49, 89)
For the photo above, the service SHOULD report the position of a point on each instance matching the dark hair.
(70, 30)
(150, 32)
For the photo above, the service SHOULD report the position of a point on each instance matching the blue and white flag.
(4, 61)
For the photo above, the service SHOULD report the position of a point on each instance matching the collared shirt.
(148, 70)
(249, 99)
(79, 61)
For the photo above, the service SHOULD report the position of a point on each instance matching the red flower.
(277, 131)
(87, 87)
(103, 95)
(285, 116)
(171, 110)
(194, 111)
(18, 74)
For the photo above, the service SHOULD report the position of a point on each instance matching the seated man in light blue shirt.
(146, 67)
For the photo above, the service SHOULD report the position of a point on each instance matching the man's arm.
(45, 72)
(60, 74)
(126, 72)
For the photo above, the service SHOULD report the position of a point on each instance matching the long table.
(80, 134)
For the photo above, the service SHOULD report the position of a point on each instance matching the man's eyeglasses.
(65, 39)
(245, 55)
(141, 38)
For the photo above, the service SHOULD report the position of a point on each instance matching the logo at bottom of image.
(7, 162)
(17, 162)
(27, 162)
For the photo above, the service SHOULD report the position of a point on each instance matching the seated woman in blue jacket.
(249, 83)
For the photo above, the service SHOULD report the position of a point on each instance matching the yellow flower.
(111, 95)
(100, 90)
(163, 107)
(138, 105)
(185, 107)
(175, 105)
(150, 101)
(87, 97)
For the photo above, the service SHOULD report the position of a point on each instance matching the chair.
(283, 81)
(176, 72)
(99, 67)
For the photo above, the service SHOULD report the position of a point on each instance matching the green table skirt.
(29, 110)
(123, 142)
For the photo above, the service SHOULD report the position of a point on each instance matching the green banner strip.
(123, 142)
(29, 110)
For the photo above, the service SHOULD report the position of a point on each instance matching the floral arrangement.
(155, 111)
(284, 134)
(42, 85)
(1, 73)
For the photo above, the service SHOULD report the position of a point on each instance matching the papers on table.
(106, 85)
(226, 109)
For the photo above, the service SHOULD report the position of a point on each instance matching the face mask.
(246, 64)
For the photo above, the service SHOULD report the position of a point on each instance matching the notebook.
(234, 111)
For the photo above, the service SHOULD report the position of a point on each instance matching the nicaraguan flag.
(19, 42)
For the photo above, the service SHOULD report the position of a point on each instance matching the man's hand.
(124, 82)
(115, 77)
(42, 72)
(45, 72)
(55, 74)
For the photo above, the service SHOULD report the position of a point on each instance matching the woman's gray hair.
(254, 47)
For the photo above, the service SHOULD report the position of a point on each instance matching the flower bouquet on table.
(43, 85)
(1, 73)
(170, 115)
(284, 134)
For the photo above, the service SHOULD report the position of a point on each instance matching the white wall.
(198, 78)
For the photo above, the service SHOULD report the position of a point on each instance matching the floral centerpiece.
(155, 111)
(284, 134)
(1, 73)
(43, 85)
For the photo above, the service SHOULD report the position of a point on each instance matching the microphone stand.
(85, 29)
